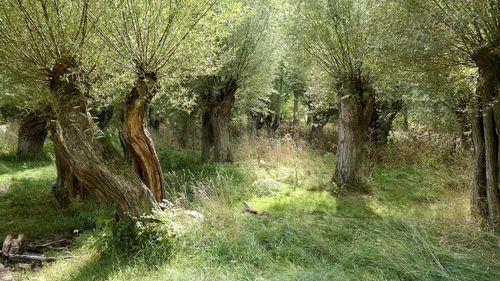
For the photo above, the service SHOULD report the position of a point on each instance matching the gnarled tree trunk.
(93, 161)
(356, 107)
(31, 136)
(136, 138)
(67, 187)
(216, 137)
(485, 194)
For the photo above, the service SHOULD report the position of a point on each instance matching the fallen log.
(31, 257)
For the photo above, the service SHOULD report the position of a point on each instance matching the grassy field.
(413, 225)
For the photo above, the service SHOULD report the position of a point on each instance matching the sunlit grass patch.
(412, 226)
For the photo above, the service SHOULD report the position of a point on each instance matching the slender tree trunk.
(93, 161)
(356, 107)
(31, 137)
(216, 136)
(137, 139)
(485, 195)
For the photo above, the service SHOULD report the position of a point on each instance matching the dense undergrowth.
(413, 225)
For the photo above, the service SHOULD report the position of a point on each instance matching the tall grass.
(413, 226)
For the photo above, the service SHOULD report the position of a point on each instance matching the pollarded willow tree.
(18, 105)
(51, 42)
(334, 33)
(245, 62)
(467, 34)
(154, 39)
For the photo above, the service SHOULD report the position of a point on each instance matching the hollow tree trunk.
(31, 137)
(356, 107)
(93, 161)
(216, 137)
(136, 137)
(485, 195)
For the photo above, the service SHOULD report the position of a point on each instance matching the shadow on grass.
(100, 268)
(27, 206)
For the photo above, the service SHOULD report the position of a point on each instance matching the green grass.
(27, 205)
(413, 226)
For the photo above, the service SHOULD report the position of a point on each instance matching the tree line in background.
(78, 70)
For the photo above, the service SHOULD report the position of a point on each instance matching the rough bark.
(355, 111)
(67, 187)
(93, 161)
(136, 137)
(31, 137)
(216, 138)
(485, 195)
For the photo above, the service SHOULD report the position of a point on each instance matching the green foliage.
(153, 236)
(36, 35)
(335, 34)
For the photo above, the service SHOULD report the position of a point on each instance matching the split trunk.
(485, 195)
(136, 139)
